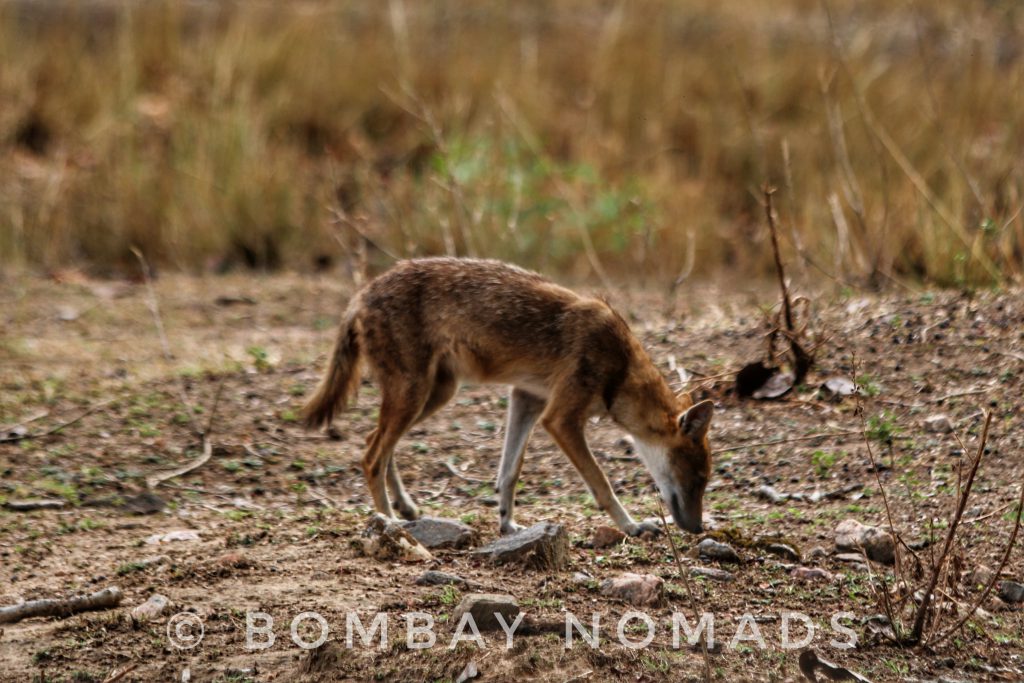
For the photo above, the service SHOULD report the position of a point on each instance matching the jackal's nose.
(685, 522)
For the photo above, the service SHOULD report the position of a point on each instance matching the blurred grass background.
(627, 137)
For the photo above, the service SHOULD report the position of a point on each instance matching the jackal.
(428, 324)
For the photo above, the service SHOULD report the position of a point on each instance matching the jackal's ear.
(696, 420)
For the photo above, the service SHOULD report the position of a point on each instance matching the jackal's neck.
(646, 406)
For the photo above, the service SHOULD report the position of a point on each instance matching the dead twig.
(7, 429)
(56, 428)
(992, 581)
(689, 592)
(114, 677)
(104, 599)
(802, 359)
(917, 631)
(202, 432)
(450, 466)
(808, 437)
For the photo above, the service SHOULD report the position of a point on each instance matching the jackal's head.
(681, 465)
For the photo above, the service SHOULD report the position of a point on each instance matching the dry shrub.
(216, 134)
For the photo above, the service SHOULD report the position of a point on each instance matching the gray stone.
(712, 573)
(817, 553)
(640, 590)
(484, 608)
(541, 546)
(938, 424)
(35, 504)
(151, 609)
(385, 539)
(710, 549)
(606, 536)
(978, 577)
(172, 536)
(435, 532)
(469, 673)
(877, 543)
(1011, 591)
(432, 577)
(144, 503)
(810, 574)
(783, 550)
(770, 494)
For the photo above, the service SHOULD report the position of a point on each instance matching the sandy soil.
(277, 510)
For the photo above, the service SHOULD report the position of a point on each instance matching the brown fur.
(427, 324)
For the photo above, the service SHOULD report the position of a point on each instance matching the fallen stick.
(7, 429)
(104, 599)
(809, 437)
(113, 678)
(157, 479)
(57, 428)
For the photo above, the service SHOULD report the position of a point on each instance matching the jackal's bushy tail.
(341, 379)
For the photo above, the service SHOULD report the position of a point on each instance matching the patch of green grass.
(823, 462)
(868, 385)
(882, 428)
(260, 358)
(129, 568)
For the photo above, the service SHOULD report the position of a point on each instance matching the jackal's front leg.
(567, 431)
(523, 411)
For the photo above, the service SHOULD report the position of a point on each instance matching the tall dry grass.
(628, 137)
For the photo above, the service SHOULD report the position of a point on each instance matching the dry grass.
(289, 134)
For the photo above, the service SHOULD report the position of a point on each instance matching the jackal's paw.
(509, 528)
(644, 528)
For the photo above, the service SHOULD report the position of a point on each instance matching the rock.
(978, 577)
(151, 609)
(1011, 591)
(810, 574)
(35, 504)
(484, 607)
(606, 536)
(153, 561)
(877, 544)
(435, 532)
(838, 387)
(541, 546)
(172, 536)
(712, 573)
(710, 549)
(636, 589)
(783, 550)
(938, 424)
(234, 560)
(770, 494)
(469, 673)
(817, 553)
(582, 578)
(626, 443)
(144, 503)
(384, 539)
(432, 577)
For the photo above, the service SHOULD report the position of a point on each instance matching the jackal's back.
(493, 320)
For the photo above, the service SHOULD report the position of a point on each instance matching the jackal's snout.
(687, 517)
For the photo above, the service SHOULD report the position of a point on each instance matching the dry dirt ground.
(277, 509)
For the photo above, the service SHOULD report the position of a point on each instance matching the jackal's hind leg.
(403, 501)
(523, 411)
(443, 389)
(398, 410)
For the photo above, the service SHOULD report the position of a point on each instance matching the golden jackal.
(428, 323)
